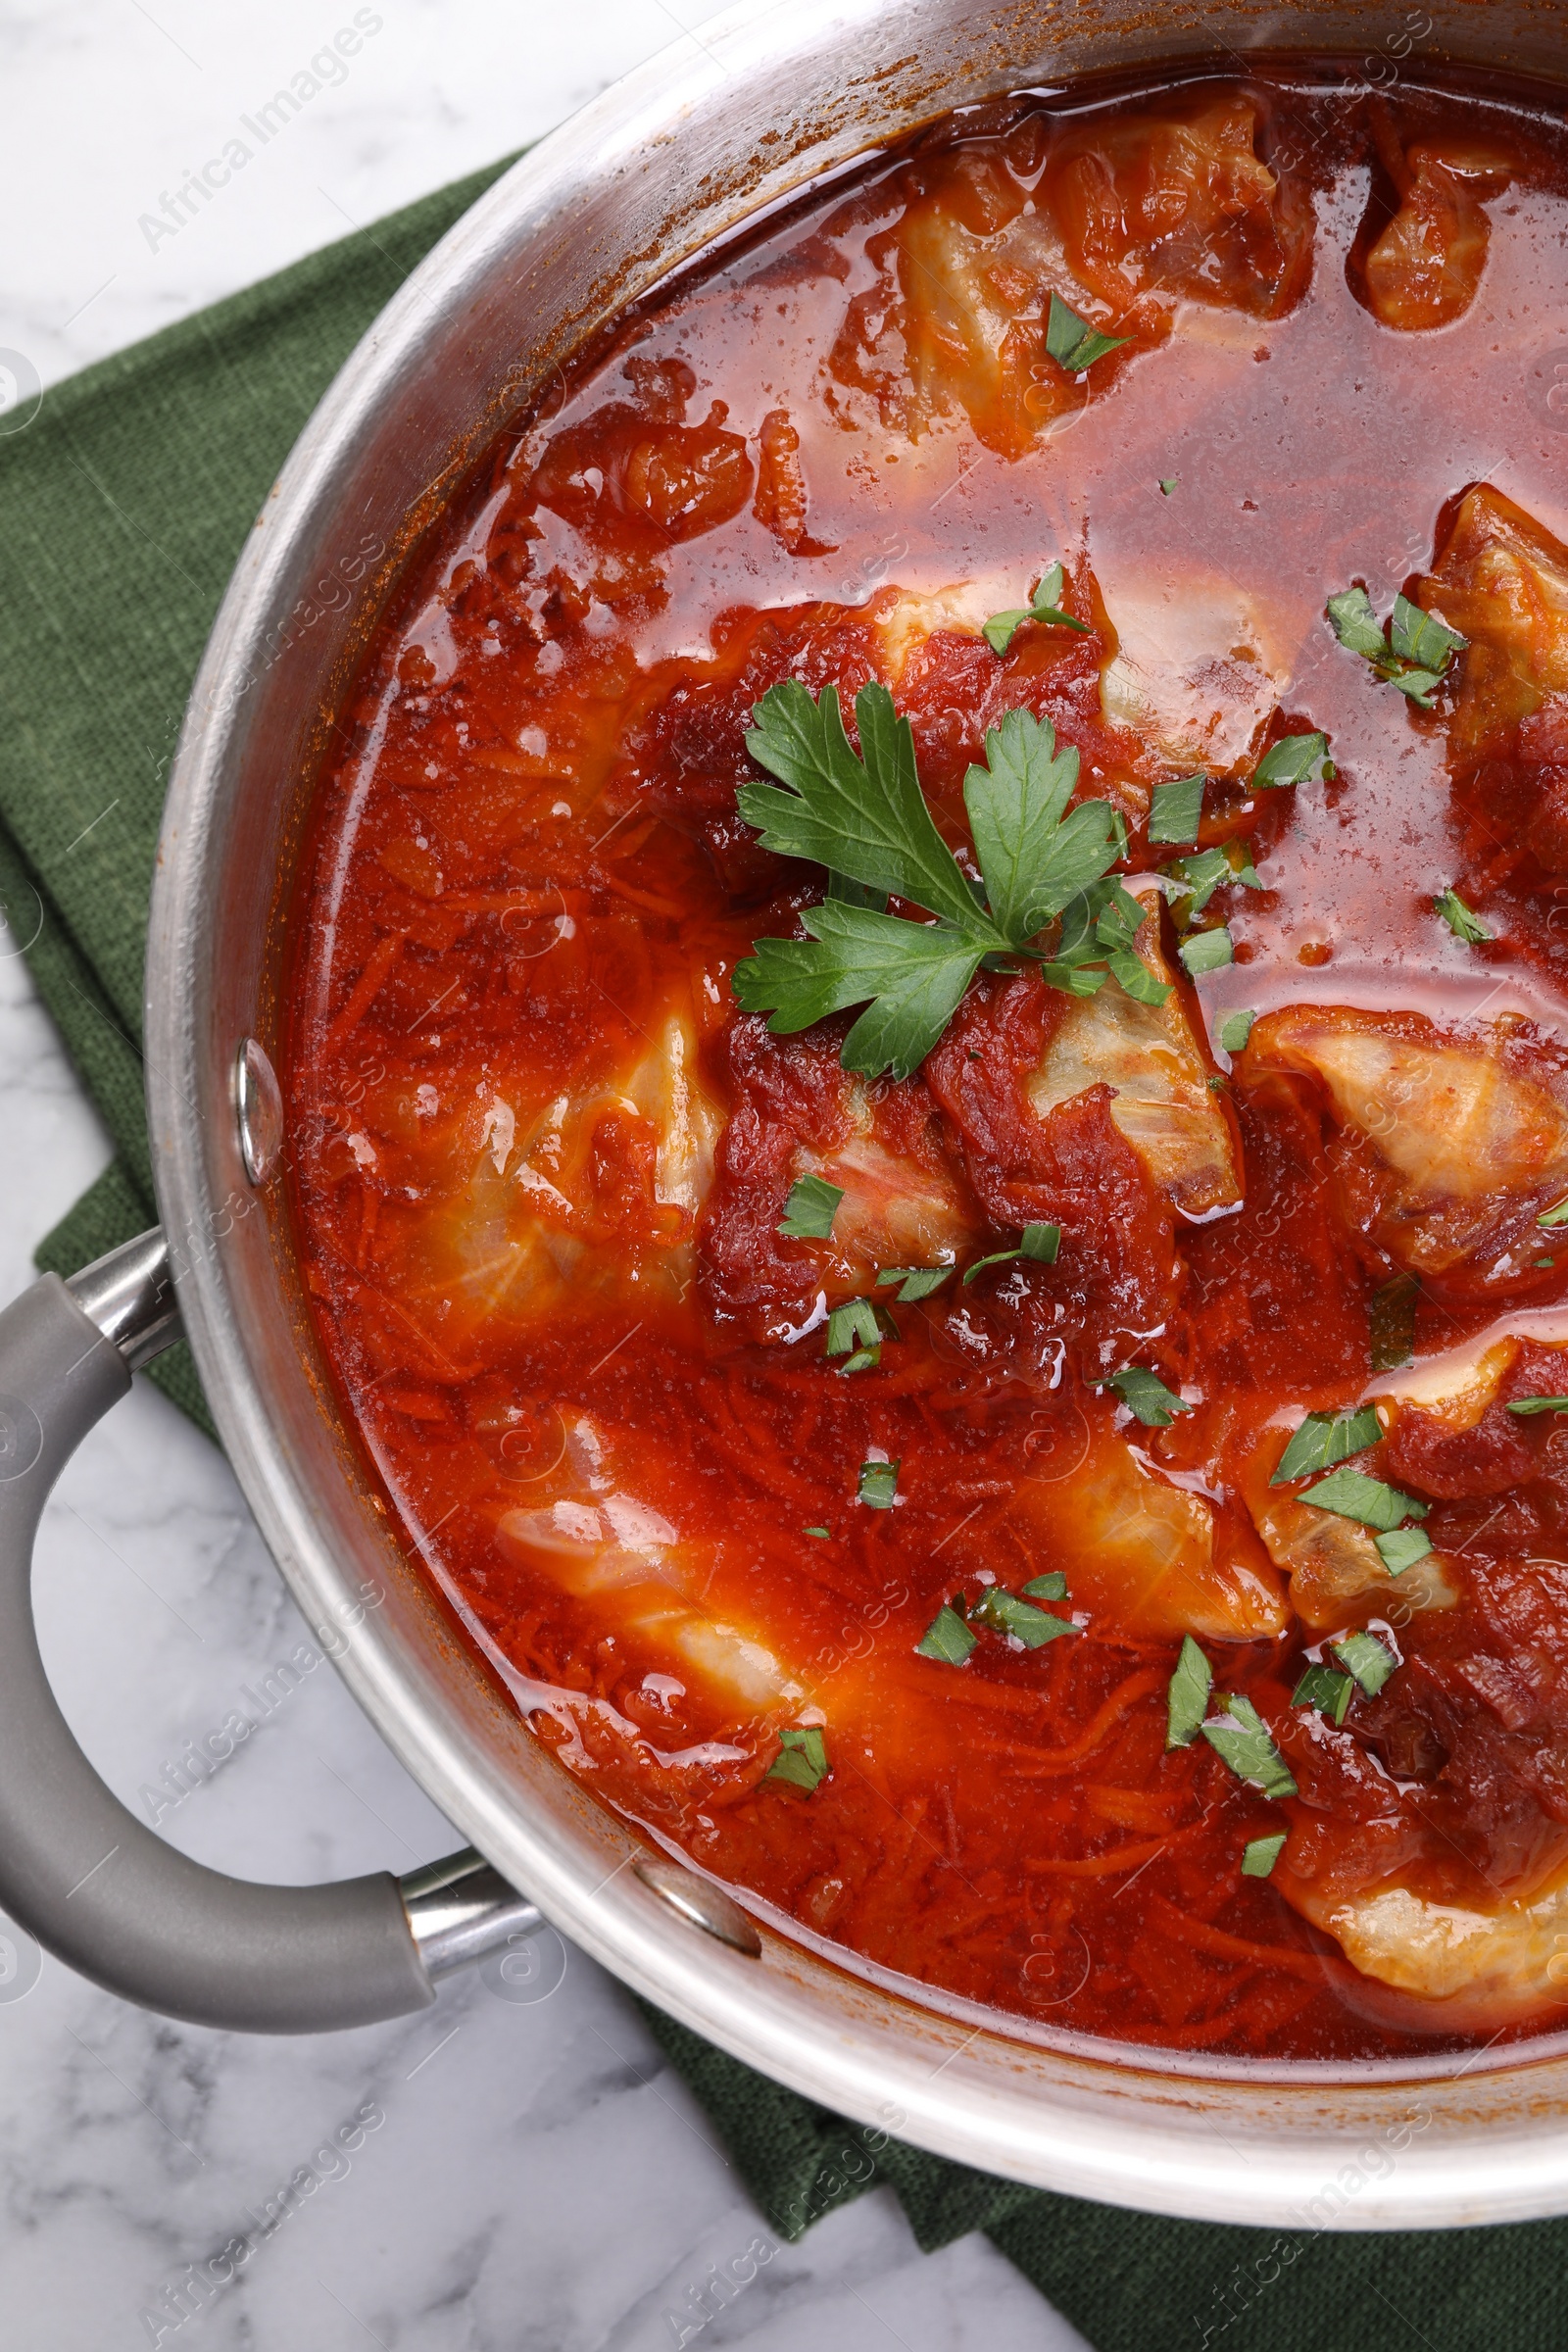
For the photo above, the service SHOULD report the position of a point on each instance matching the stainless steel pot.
(657, 167)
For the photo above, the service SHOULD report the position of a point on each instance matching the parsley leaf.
(1038, 1242)
(1417, 650)
(1246, 1748)
(945, 1638)
(1053, 1586)
(1351, 1494)
(1557, 1215)
(1459, 919)
(1323, 1439)
(1167, 485)
(1259, 1856)
(916, 976)
(1540, 1404)
(1072, 342)
(915, 1281)
(810, 1209)
(1368, 1659)
(1044, 605)
(1322, 1687)
(1175, 810)
(1293, 760)
(802, 1760)
(865, 818)
(1006, 1613)
(1234, 1030)
(1187, 1695)
(878, 1485)
(1145, 1396)
(824, 1532)
(1033, 858)
(1401, 1546)
(855, 894)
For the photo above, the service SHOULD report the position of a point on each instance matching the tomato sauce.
(541, 1157)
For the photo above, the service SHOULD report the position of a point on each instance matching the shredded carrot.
(643, 897)
(368, 986)
(1125, 1857)
(1100, 1866)
(1201, 1937)
(1054, 1760)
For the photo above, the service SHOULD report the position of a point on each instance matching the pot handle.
(95, 1885)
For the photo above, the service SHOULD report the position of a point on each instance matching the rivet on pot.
(259, 1110)
(698, 1901)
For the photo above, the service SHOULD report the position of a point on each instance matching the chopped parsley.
(1244, 1744)
(1417, 651)
(853, 1325)
(1259, 1856)
(824, 1532)
(1293, 760)
(1197, 878)
(1146, 1396)
(878, 1485)
(1351, 1494)
(1044, 605)
(1234, 1030)
(810, 1209)
(1099, 926)
(1167, 485)
(1323, 1439)
(1459, 919)
(866, 819)
(1006, 1613)
(1540, 1404)
(1356, 626)
(1207, 951)
(802, 1759)
(1323, 1688)
(1420, 637)
(1038, 1242)
(1187, 1695)
(1072, 342)
(1053, 1586)
(1401, 1546)
(1175, 810)
(1391, 1325)
(1554, 1216)
(946, 1637)
(1368, 1659)
(915, 1281)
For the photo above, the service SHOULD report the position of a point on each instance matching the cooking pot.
(592, 218)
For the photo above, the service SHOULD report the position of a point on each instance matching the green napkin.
(123, 506)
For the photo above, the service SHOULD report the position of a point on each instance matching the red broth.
(540, 1155)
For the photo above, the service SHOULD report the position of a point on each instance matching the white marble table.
(537, 2177)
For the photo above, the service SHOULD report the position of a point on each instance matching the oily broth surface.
(517, 814)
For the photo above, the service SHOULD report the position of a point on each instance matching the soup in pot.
(927, 1064)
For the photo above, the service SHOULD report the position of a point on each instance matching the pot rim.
(1124, 2125)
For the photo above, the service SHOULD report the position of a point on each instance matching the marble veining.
(516, 2168)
